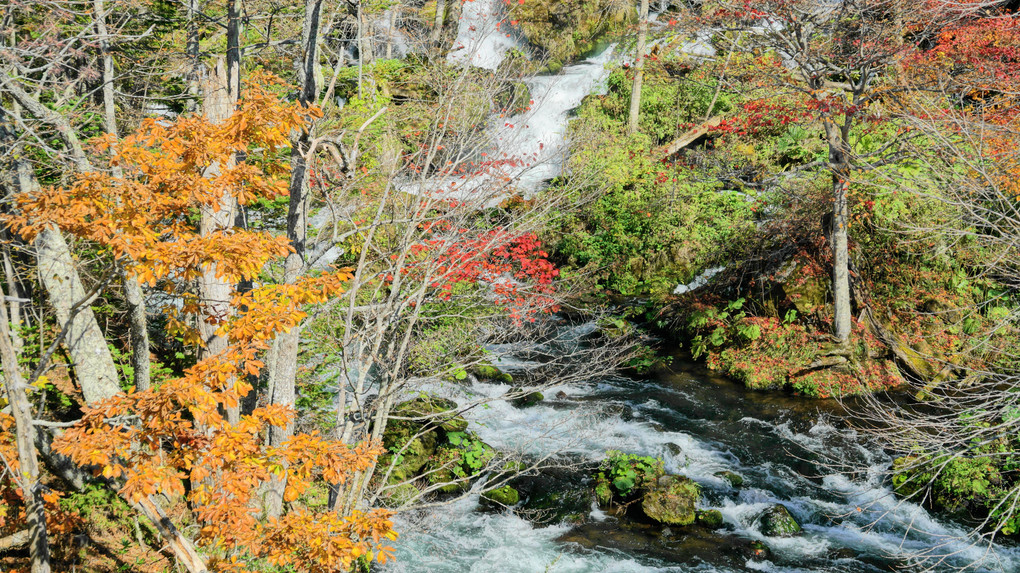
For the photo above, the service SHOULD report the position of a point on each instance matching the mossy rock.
(777, 521)
(428, 409)
(526, 399)
(503, 496)
(672, 500)
(445, 470)
(736, 480)
(490, 373)
(567, 30)
(568, 505)
(759, 551)
(514, 98)
(415, 456)
(400, 494)
(711, 518)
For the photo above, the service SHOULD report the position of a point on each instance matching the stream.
(789, 450)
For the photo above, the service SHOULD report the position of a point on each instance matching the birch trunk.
(639, 66)
(28, 478)
(283, 375)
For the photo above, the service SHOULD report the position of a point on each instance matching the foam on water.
(457, 539)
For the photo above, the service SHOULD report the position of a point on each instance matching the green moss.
(735, 479)
(505, 495)
(672, 500)
(485, 371)
(777, 521)
(711, 518)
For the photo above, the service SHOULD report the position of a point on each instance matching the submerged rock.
(777, 521)
(711, 518)
(736, 480)
(671, 500)
(525, 399)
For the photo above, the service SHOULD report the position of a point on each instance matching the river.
(789, 450)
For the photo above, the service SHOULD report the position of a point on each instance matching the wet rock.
(525, 399)
(736, 480)
(671, 500)
(555, 495)
(759, 551)
(674, 449)
(561, 395)
(776, 521)
(426, 409)
(489, 373)
(505, 496)
(400, 494)
(711, 518)
(843, 553)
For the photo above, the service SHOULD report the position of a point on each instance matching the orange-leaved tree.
(174, 439)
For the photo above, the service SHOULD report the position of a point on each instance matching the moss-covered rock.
(504, 496)
(777, 521)
(736, 480)
(711, 518)
(671, 500)
(427, 409)
(525, 399)
(555, 496)
(490, 373)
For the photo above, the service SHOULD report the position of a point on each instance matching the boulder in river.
(489, 373)
(504, 496)
(777, 521)
(671, 500)
(736, 480)
(525, 398)
(710, 518)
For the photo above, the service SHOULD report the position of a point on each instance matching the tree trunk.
(222, 90)
(28, 478)
(437, 29)
(93, 364)
(284, 363)
(639, 65)
(133, 295)
(838, 159)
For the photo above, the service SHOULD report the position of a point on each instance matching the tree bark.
(283, 375)
(838, 236)
(222, 89)
(437, 28)
(28, 474)
(93, 364)
(639, 65)
(133, 295)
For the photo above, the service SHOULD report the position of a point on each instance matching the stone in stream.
(489, 373)
(674, 449)
(710, 518)
(671, 500)
(776, 521)
(736, 480)
(525, 399)
(759, 551)
(500, 497)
